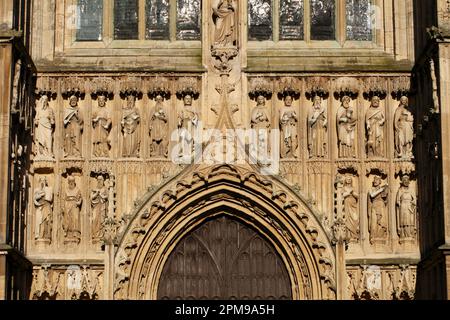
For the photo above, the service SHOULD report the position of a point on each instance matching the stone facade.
(341, 192)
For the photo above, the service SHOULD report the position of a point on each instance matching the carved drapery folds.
(131, 88)
(188, 117)
(377, 211)
(71, 211)
(43, 202)
(159, 90)
(317, 91)
(406, 206)
(102, 89)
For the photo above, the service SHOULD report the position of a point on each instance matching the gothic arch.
(163, 217)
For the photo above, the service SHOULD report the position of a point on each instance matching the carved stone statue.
(101, 122)
(45, 121)
(73, 124)
(188, 121)
(317, 129)
(404, 130)
(99, 205)
(159, 128)
(43, 202)
(224, 19)
(289, 131)
(130, 129)
(405, 204)
(72, 202)
(375, 121)
(346, 125)
(260, 122)
(377, 211)
(350, 200)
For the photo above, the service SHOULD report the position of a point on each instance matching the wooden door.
(224, 259)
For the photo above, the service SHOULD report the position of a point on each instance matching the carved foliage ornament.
(101, 86)
(317, 86)
(260, 87)
(288, 86)
(188, 86)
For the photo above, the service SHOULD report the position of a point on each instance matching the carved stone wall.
(105, 188)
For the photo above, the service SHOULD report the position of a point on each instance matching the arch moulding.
(282, 216)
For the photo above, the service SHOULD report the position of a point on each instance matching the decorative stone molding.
(317, 86)
(288, 86)
(374, 86)
(165, 201)
(259, 86)
(188, 86)
(158, 86)
(401, 86)
(101, 85)
(46, 85)
(347, 86)
(73, 86)
(131, 86)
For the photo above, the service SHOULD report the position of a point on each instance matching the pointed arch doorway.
(224, 259)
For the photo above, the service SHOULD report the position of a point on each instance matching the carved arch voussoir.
(166, 215)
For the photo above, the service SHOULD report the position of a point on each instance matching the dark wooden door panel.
(224, 259)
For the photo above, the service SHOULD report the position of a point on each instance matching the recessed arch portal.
(224, 259)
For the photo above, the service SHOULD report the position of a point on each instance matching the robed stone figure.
(99, 206)
(350, 200)
(131, 118)
(375, 121)
(346, 126)
(317, 129)
(224, 20)
(159, 128)
(404, 130)
(72, 201)
(43, 202)
(406, 207)
(261, 124)
(44, 122)
(188, 122)
(377, 211)
(73, 128)
(101, 122)
(289, 129)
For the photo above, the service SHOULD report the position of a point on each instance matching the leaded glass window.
(291, 20)
(89, 20)
(259, 19)
(359, 20)
(323, 17)
(188, 19)
(126, 14)
(157, 19)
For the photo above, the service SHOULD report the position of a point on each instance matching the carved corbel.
(317, 86)
(131, 86)
(401, 86)
(288, 86)
(158, 86)
(73, 86)
(46, 86)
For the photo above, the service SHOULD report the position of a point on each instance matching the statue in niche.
(377, 210)
(45, 121)
(289, 130)
(350, 201)
(72, 202)
(346, 125)
(73, 124)
(43, 202)
(159, 128)
(130, 128)
(260, 122)
(224, 20)
(404, 130)
(375, 120)
(405, 204)
(188, 121)
(101, 121)
(317, 129)
(99, 205)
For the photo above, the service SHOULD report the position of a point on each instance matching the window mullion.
(276, 20)
(141, 21)
(108, 20)
(341, 22)
(307, 21)
(173, 20)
